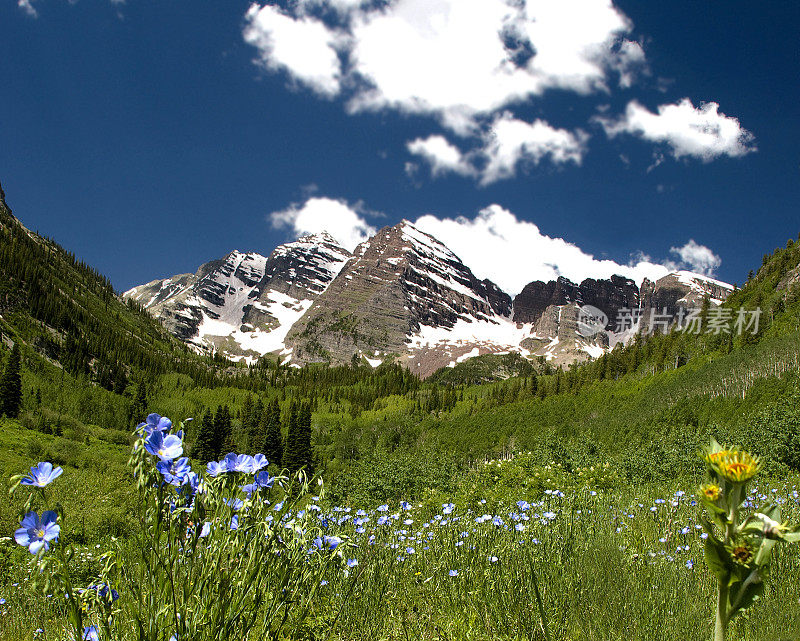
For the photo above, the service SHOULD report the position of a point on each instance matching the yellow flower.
(741, 553)
(732, 465)
(711, 491)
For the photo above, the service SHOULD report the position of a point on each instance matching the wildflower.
(741, 553)
(175, 472)
(215, 468)
(154, 423)
(259, 462)
(36, 533)
(453, 573)
(42, 475)
(239, 463)
(732, 465)
(351, 563)
(206, 530)
(90, 634)
(165, 448)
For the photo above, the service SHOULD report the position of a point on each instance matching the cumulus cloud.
(342, 221)
(495, 244)
(700, 132)
(511, 141)
(698, 258)
(513, 252)
(442, 156)
(304, 47)
(454, 59)
(507, 143)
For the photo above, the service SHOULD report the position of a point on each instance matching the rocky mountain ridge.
(402, 295)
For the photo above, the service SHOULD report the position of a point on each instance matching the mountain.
(243, 304)
(401, 296)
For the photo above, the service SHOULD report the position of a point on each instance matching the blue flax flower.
(175, 472)
(154, 423)
(239, 463)
(36, 533)
(90, 634)
(259, 462)
(42, 475)
(164, 447)
(215, 468)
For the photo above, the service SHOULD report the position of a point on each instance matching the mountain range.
(401, 296)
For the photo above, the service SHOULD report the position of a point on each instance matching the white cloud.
(304, 47)
(27, 7)
(442, 156)
(698, 258)
(630, 62)
(701, 132)
(495, 245)
(455, 59)
(513, 252)
(319, 214)
(511, 141)
(507, 143)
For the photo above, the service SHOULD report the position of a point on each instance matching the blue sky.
(573, 137)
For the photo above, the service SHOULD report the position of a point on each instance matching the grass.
(614, 563)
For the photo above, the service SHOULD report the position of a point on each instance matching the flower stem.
(721, 625)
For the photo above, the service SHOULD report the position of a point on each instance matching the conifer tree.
(203, 449)
(272, 444)
(252, 428)
(290, 446)
(11, 385)
(303, 444)
(222, 429)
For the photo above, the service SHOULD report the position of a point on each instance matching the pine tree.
(252, 429)
(203, 449)
(272, 446)
(11, 385)
(290, 454)
(222, 429)
(303, 445)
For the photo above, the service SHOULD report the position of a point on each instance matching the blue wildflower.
(453, 572)
(206, 530)
(42, 475)
(175, 472)
(351, 563)
(259, 462)
(90, 634)
(36, 533)
(239, 463)
(165, 448)
(215, 468)
(154, 423)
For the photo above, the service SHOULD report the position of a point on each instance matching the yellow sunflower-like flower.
(711, 491)
(732, 465)
(741, 552)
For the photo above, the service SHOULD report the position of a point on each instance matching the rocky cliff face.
(609, 295)
(399, 281)
(403, 296)
(243, 305)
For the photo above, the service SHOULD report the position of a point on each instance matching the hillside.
(93, 365)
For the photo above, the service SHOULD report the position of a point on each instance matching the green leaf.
(717, 559)
(744, 594)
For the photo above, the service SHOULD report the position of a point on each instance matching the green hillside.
(93, 366)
